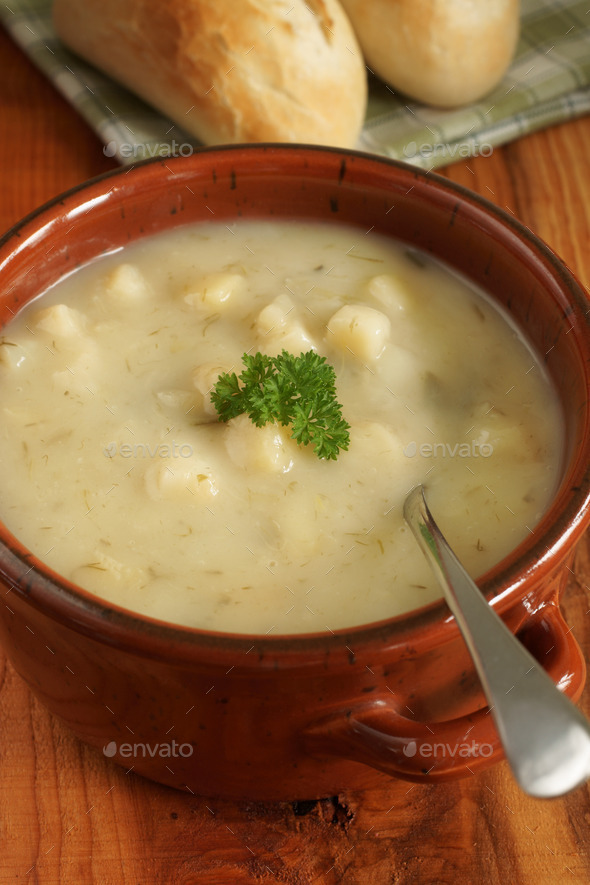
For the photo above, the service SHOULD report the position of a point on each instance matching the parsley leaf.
(296, 390)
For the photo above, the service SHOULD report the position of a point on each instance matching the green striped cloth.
(548, 82)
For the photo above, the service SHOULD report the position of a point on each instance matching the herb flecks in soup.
(116, 472)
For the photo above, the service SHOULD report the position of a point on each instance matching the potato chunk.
(275, 316)
(360, 330)
(216, 290)
(181, 478)
(12, 355)
(376, 440)
(388, 291)
(126, 285)
(175, 399)
(278, 327)
(204, 378)
(60, 321)
(259, 448)
(296, 516)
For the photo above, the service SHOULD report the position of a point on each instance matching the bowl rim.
(65, 602)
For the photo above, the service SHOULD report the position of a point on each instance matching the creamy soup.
(117, 474)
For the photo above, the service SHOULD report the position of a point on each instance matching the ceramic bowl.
(299, 716)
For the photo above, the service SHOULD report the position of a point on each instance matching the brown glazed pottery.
(300, 716)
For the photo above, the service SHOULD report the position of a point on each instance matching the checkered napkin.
(548, 82)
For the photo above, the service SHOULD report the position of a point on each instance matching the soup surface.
(116, 472)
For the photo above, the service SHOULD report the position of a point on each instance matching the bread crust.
(441, 52)
(230, 71)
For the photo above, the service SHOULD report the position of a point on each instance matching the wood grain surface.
(68, 815)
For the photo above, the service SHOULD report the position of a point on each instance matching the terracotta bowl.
(300, 716)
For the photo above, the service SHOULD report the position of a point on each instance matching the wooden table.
(68, 815)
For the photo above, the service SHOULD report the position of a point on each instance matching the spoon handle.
(545, 737)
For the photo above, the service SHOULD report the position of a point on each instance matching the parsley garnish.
(296, 390)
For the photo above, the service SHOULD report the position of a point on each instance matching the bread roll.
(440, 52)
(230, 70)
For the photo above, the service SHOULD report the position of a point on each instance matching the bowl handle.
(376, 734)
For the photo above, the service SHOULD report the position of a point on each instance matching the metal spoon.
(545, 737)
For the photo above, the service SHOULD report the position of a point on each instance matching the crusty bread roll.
(440, 52)
(230, 70)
